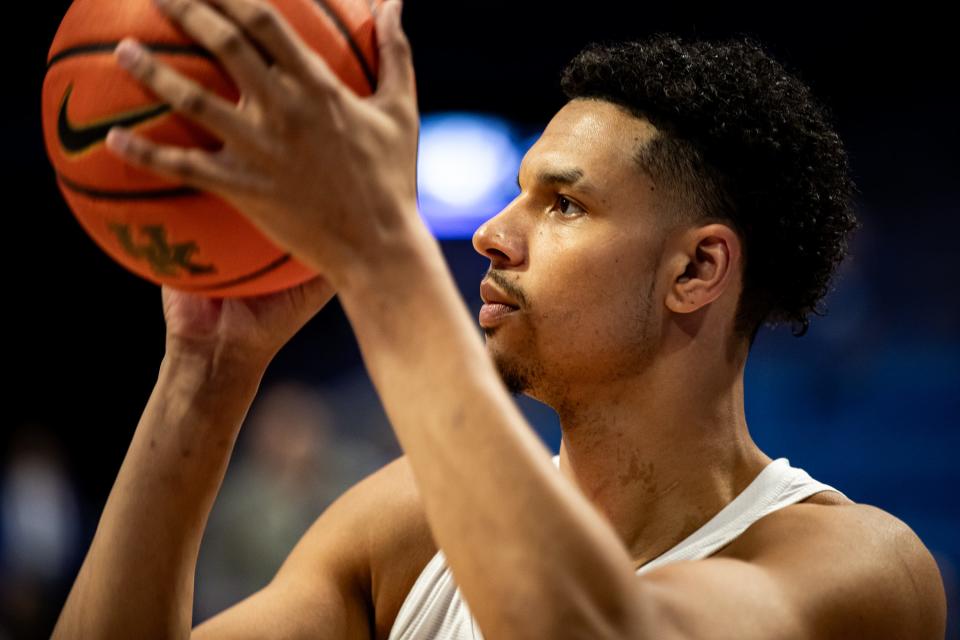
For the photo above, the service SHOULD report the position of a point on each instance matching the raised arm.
(137, 578)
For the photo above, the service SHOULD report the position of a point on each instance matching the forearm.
(137, 578)
(531, 555)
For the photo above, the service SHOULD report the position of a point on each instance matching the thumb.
(317, 292)
(305, 299)
(396, 63)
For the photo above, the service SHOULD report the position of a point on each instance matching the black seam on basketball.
(108, 47)
(103, 194)
(354, 47)
(276, 264)
(175, 193)
(195, 50)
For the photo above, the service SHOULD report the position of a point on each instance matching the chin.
(517, 374)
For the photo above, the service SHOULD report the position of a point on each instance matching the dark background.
(867, 401)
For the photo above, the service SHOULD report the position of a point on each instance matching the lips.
(497, 305)
(492, 314)
(491, 295)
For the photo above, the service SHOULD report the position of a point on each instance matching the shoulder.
(851, 567)
(387, 515)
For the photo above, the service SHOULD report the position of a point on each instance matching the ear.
(703, 264)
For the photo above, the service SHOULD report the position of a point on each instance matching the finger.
(317, 292)
(212, 112)
(312, 296)
(225, 41)
(271, 31)
(307, 297)
(193, 167)
(396, 63)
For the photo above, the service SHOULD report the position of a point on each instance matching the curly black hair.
(740, 140)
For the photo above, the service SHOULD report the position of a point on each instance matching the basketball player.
(686, 194)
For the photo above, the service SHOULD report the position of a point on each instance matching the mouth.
(497, 306)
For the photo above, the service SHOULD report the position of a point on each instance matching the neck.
(660, 454)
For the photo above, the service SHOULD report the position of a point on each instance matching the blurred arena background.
(867, 401)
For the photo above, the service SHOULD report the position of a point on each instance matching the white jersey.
(434, 609)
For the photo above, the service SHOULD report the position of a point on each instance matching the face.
(577, 254)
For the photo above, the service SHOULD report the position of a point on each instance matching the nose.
(501, 239)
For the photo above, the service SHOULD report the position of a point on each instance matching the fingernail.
(129, 53)
(118, 139)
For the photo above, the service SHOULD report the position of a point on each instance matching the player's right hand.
(239, 332)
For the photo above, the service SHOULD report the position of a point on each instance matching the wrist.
(194, 372)
(214, 360)
(397, 262)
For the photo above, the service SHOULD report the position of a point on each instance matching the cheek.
(596, 261)
(593, 296)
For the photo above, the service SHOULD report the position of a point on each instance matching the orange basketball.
(162, 231)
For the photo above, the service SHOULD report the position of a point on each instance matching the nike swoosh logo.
(79, 138)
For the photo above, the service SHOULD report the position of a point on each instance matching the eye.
(567, 207)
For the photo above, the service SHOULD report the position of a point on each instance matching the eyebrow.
(568, 177)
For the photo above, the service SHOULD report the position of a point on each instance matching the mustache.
(508, 287)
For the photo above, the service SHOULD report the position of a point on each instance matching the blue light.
(466, 170)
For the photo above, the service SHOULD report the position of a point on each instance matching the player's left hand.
(322, 172)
